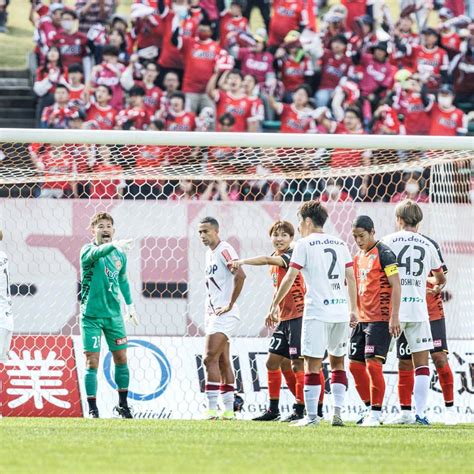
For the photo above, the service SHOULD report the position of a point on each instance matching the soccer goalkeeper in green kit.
(103, 278)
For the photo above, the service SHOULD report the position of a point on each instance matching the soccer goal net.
(157, 186)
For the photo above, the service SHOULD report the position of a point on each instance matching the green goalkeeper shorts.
(113, 329)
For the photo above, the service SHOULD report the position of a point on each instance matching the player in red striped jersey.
(284, 353)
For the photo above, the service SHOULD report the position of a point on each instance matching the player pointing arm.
(284, 353)
(103, 278)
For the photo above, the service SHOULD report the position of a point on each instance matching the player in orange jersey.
(378, 302)
(284, 353)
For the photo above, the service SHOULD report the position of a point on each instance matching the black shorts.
(286, 340)
(370, 340)
(438, 333)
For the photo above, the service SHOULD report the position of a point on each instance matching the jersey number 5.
(407, 263)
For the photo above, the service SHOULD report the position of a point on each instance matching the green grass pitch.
(139, 446)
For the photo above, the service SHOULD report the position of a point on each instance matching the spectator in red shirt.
(170, 86)
(58, 114)
(47, 27)
(177, 119)
(92, 12)
(106, 188)
(294, 66)
(430, 60)
(76, 86)
(334, 192)
(118, 39)
(364, 37)
(231, 22)
(230, 98)
(386, 122)
(257, 113)
(335, 65)
(48, 76)
(450, 39)
(200, 57)
(255, 60)
(72, 44)
(296, 117)
(137, 115)
(108, 73)
(146, 32)
(412, 101)
(404, 40)
(100, 114)
(377, 77)
(148, 82)
(446, 119)
(288, 15)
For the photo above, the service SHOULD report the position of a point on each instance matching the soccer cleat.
(293, 417)
(337, 421)
(268, 415)
(122, 412)
(93, 413)
(228, 415)
(450, 418)
(422, 421)
(363, 414)
(371, 421)
(404, 418)
(238, 402)
(305, 422)
(211, 415)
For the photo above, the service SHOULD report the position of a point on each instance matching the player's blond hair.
(100, 216)
(283, 226)
(409, 212)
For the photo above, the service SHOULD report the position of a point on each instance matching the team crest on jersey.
(118, 264)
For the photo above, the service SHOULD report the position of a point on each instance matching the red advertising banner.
(40, 379)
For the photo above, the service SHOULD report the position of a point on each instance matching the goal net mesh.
(157, 194)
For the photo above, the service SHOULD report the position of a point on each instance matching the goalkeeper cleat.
(211, 415)
(422, 421)
(238, 402)
(337, 421)
(122, 412)
(94, 413)
(228, 415)
(268, 415)
(305, 422)
(293, 417)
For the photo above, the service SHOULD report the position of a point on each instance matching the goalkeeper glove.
(123, 245)
(131, 315)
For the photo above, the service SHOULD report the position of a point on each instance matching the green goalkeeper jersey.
(103, 275)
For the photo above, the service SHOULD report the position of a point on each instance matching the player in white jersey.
(416, 258)
(326, 265)
(6, 319)
(222, 316)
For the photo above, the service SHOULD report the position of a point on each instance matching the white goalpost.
(157, 186)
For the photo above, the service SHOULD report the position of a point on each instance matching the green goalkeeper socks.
(91, 382)
(122, 376)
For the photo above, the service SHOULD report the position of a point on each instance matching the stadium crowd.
(187, 65)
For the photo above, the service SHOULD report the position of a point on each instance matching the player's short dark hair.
(283, 226)
(315, 211)
(100, 216)
(211, 221)
(137, 91)
(178, 95)
(363, 222)
(410, 212)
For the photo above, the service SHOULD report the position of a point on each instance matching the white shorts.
(418, 335)
(225, 323)
(5, 342)
(319, 336)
